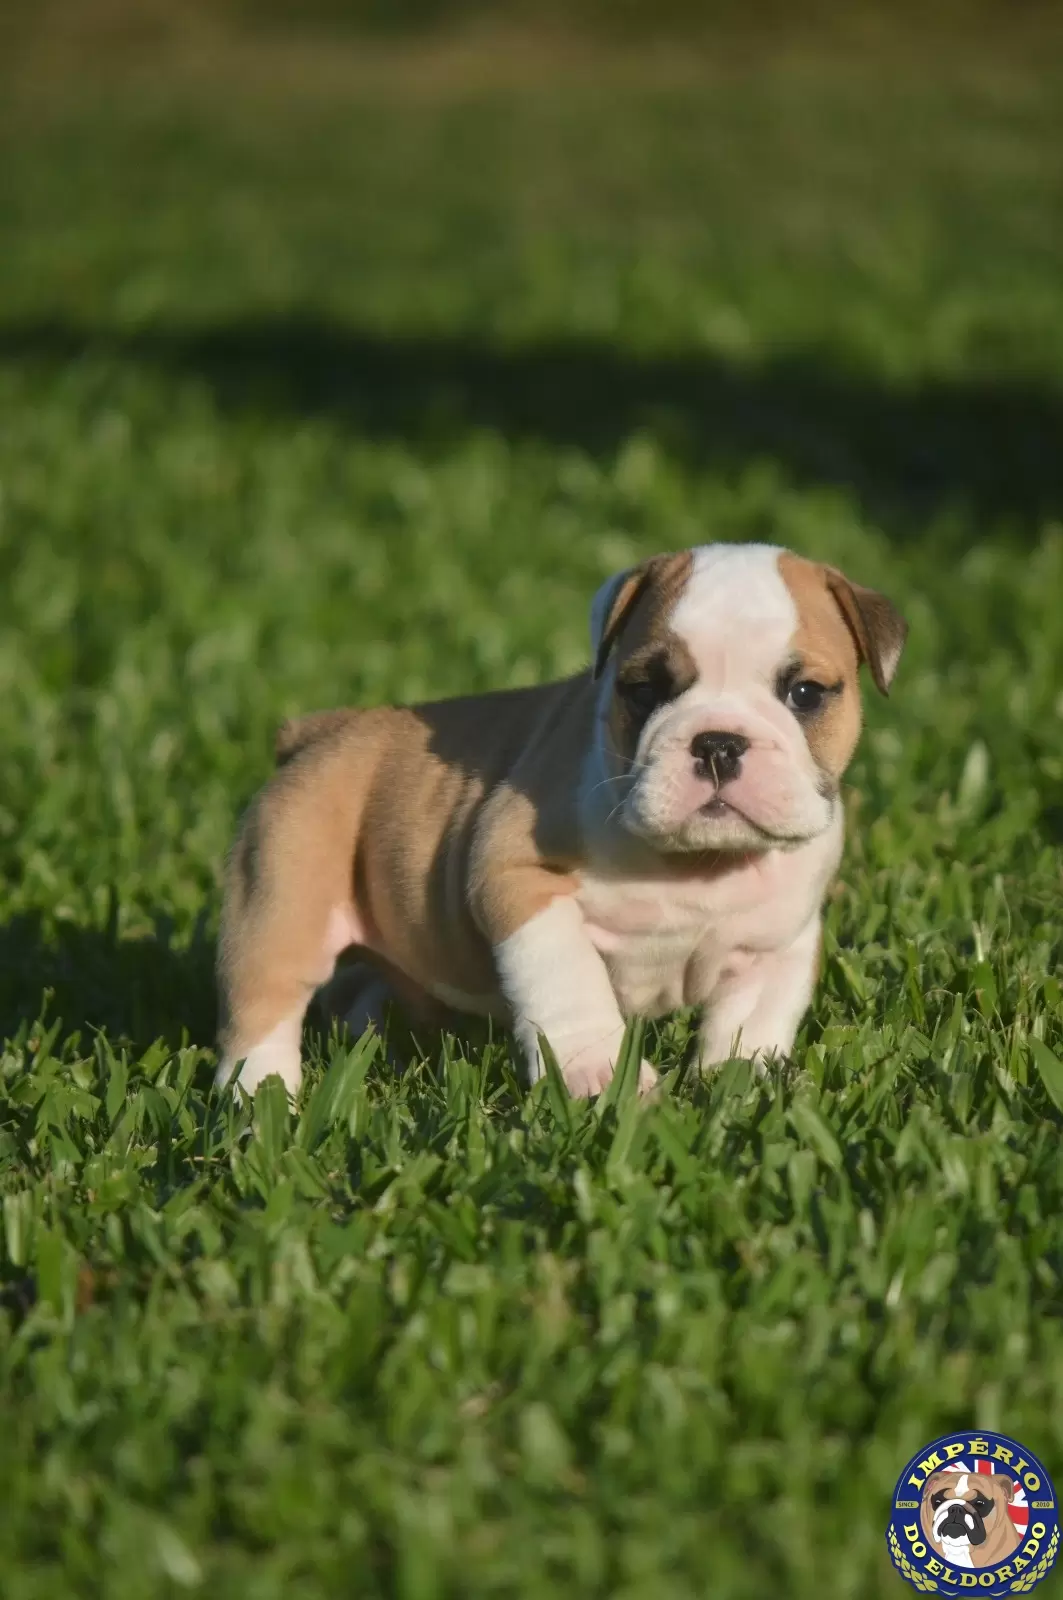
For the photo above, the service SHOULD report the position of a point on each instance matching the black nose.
(961, 1520)
(719, 754)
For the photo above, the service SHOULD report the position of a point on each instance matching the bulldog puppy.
(657, 831)
(965, 1517)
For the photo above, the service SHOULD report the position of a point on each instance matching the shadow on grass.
(138, 990)
(992, 446)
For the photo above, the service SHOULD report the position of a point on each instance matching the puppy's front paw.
(586, 1078)
(757, 1060)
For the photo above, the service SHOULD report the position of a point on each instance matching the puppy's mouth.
(718, 809)
(959, 1523)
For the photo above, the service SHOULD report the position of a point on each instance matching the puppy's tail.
(298, 733)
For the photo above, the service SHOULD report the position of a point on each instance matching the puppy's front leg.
(756, 1011)
(555, 983)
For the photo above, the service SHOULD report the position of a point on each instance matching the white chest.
(668, 941)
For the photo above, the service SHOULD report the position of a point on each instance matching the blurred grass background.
(343, 350)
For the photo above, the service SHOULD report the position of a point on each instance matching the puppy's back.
(298, 733)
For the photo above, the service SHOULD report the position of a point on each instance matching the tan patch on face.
(825, 652)
(1002, 1537)
(878, 629)
(653, 663)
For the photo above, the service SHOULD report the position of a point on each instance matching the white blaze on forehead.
(736, 614)
(961, 1487)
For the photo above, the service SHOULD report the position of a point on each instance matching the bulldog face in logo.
(965, 1517)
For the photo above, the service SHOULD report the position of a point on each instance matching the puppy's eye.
(936, 1499)
(642, 695)
(982, 1504)
(805, 695)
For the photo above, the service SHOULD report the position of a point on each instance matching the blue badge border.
(1041, 1563)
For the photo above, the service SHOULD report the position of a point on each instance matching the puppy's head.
(960, 1507)
(729, 698)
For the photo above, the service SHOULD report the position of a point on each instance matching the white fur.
(674, 906)
(555, 983)
(740, 941)
(278, 1052)
(957, 1552)
(757, 1010)
(736, 617)
(730, 587)
(739, 935)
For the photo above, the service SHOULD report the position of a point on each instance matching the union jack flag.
(1018, 1510)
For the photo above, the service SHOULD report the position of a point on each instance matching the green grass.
(353, 393)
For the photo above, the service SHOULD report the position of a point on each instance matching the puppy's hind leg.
(287, 913)
(358, 997)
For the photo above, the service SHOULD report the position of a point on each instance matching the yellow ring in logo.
(974, 1514)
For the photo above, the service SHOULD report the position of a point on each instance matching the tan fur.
(825, 651)
(389, 818)
(1002, 1537)
(298, 732)
(430, 840)
(637, 629)
(651, 588)
(877, 626)
(284, 877)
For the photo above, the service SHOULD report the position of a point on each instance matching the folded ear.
(610, 609)
(612, 606)
(876, 625)
(1005, 1484)
(926, 1510)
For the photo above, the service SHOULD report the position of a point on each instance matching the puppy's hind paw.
(278, 1052)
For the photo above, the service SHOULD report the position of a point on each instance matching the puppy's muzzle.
(718, 756)
(960, 1521)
